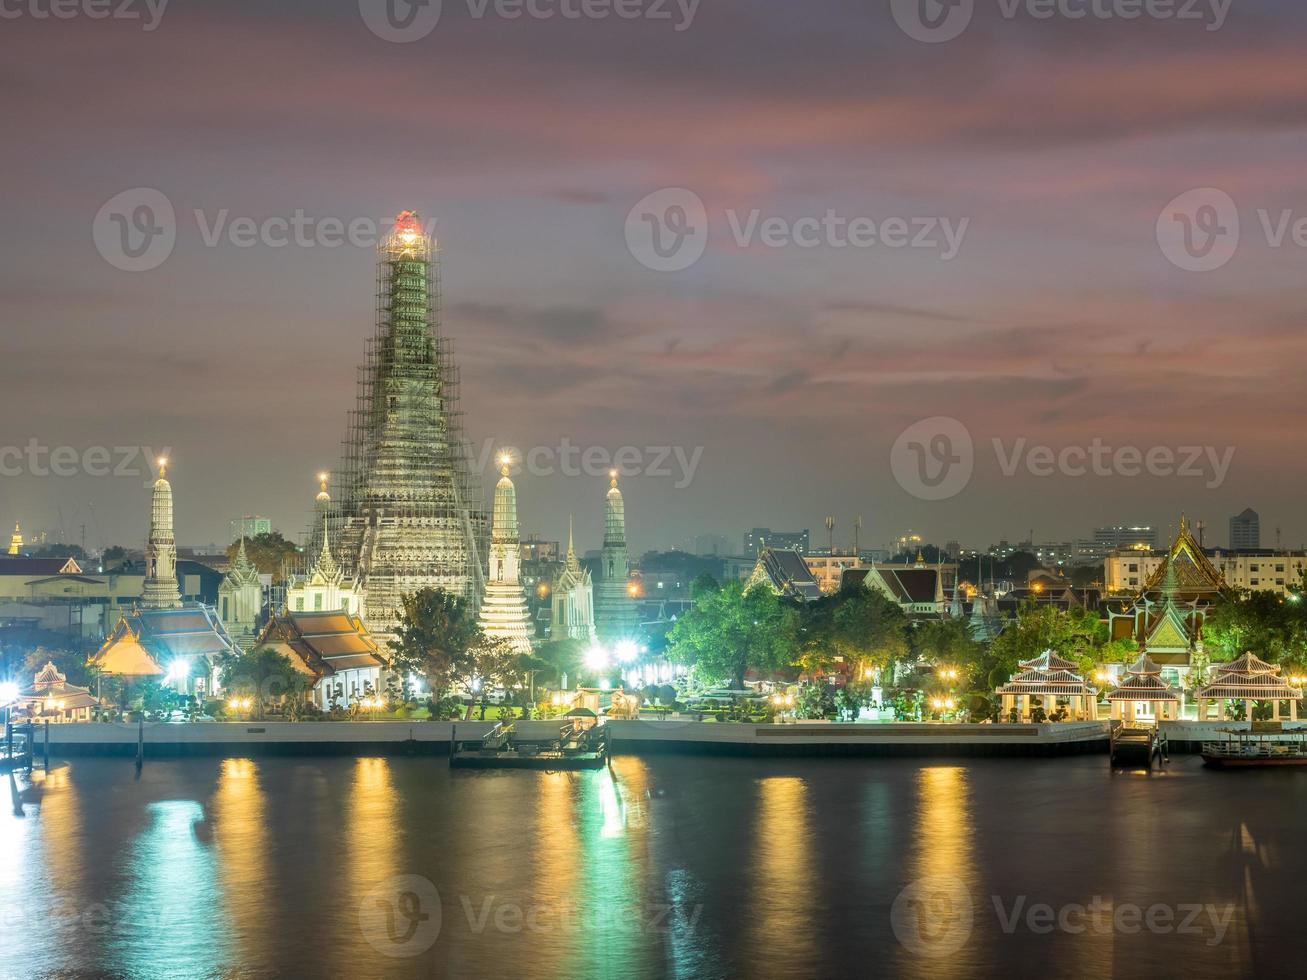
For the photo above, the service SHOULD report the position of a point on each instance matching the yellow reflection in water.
(372, 843)
(935, 916)
(241, 836)
(783, 913)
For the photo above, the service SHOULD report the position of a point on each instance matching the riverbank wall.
(433, 738)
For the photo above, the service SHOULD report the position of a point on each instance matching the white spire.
(161, 590)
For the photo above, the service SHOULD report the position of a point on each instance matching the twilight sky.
(1059, 321)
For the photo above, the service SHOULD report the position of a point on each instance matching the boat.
(1267, 745)
(574, 742)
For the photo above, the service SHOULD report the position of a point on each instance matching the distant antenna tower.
(1202, 531)
(1277, 537)
(857, 526)
(830, 534)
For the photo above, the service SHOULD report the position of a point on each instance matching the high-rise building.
(161, 590)
(410, 515)
(250, 526)
(503, 609)
(759, 539)
(1126, 537)
(16, 542)
(616, 614)
(1246, 531)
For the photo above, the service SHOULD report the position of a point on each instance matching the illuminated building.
(409, 517)
(161, 590)
(1048, 679)
(182, 643)
(503, 606)
(240, 598)
(616, 615)
(573, 599)
(326, 586)
(334, 648)
(16, 542)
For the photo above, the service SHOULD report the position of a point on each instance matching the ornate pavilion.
(1051, 679)
(52, 698)
(1247, 679)
(1144, 696)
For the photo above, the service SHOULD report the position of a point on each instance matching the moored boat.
(1267, 745)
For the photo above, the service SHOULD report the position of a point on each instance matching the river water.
(669, 866)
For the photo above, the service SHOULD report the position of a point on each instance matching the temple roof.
(785, 573)
(1143, 687)
(1187, 568)
(1048, 660)
(1044, 682)
(1144, 665)
(324, 642)
(1249, 663)
(1249, 678)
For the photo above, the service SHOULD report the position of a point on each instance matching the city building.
(829, 569)
(616, 616)
(504, 613)
(759, 539)
(1246, 531)
(410, 516)
(250, 526)
(573, 600)
(16, 541)
(1126, 537)
(709, 545)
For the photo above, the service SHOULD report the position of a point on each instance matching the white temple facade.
(573, 599)
(240, 599)
(503, 607)
(326, 587)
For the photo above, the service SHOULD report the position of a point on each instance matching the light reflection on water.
(680, 867)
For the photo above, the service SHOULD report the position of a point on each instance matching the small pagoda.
(1144, 697)
(1049, 678)
(1248, 679)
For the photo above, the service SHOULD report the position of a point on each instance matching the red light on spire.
(408, 222)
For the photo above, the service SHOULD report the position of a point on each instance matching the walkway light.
(8, 693)
(596, 658)
(626, 651)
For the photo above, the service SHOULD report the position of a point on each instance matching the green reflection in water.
(172, 919)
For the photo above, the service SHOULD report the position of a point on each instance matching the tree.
(437, 629)
(114, 553)
(562, 660)
(270, 553)
(59, 551)
(857, 626)
(730, 630)
(265, 675)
